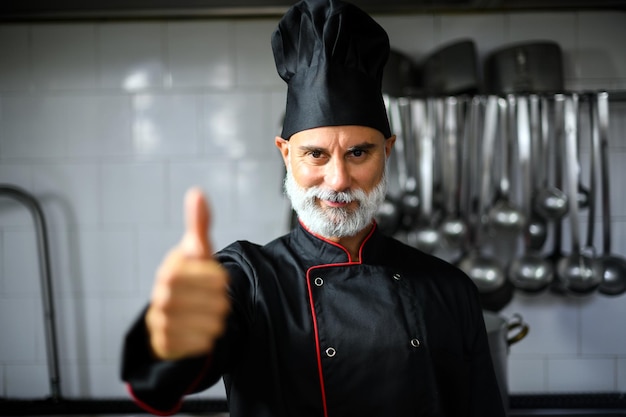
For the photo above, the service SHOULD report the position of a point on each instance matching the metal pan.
(401, 76)
(452, 70)
(529, 67)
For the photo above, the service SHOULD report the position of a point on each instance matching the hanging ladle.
(484, 271)
(537, 226)
(505, 216)
(426, 237)
(388, 215)
(594, 155)
(404, 208)
(612, 267)
(557, 149)
(551, 202)
(409, 199)
(529, 272)
(577, 272)
(453, 228)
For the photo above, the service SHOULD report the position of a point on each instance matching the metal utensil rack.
(35, 210)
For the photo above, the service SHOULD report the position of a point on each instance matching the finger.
(191, 299)
(167, 347)
(196, 242)
(177, 336)
(180, 270)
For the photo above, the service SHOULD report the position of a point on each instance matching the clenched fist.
(190, 303)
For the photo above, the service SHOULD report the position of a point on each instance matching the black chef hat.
(332, 55)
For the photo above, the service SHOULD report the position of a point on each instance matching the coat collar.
(317, 250)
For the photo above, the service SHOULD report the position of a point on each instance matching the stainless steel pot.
(502, 333)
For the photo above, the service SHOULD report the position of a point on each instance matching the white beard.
(334, 222)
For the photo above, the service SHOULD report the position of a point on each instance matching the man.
(335, 318)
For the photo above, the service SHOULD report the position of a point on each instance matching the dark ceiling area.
(33, 10)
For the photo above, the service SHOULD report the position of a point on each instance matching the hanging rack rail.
(34, 207)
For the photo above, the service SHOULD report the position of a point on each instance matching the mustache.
(332, 196)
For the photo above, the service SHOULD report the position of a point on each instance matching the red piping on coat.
(317, 345)
(318, 348)
(179, 404)
(151, 410)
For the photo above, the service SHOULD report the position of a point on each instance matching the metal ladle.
(486, 273)
(537, 225)
(577, 272)
(612, 267)
(406, 205)
(551, 202)
(529, 272)
(453, 228)
(594, 155)
(388, 215)
(426, 236)
(505, 216)
(556, 149)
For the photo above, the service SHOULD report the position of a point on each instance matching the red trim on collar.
(374, 225)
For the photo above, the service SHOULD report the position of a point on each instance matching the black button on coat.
(313, 333)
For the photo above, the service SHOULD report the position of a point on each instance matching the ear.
(283, 147)
(389, 142)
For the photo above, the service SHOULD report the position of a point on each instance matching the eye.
(315, 154)
(359, 153)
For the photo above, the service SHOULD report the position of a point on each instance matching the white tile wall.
(109, 123)
(527, 375)
(581, 375)
(69, 192)
(15, 69)
(19, 275)
(489, 31)
(415, 36)
(80, 341)
(601, 332)
(132, 54)
(14, 213)
(600, 52)
(64, 56)
(27, 381)
(621, 375)
(200, 54)
(165, 125)
(254, 61)
(129, 195)
(20, 347)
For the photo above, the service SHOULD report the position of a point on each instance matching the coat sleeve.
(159, 386)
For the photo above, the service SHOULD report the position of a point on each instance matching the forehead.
(329, 136)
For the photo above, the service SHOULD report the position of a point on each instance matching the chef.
(334, 319)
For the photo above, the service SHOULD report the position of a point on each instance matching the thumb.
(195, 241)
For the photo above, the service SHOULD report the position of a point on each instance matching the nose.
(338, 175)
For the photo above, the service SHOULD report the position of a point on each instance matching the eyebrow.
(360, 146)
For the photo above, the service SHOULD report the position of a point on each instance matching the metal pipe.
(34, 207)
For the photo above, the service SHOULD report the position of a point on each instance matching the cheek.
(306, 175)
(368, 178)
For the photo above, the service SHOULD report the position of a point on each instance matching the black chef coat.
(314, 333)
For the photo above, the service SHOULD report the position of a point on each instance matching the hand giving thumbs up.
(190, 301)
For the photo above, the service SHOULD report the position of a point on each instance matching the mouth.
(335, 204)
